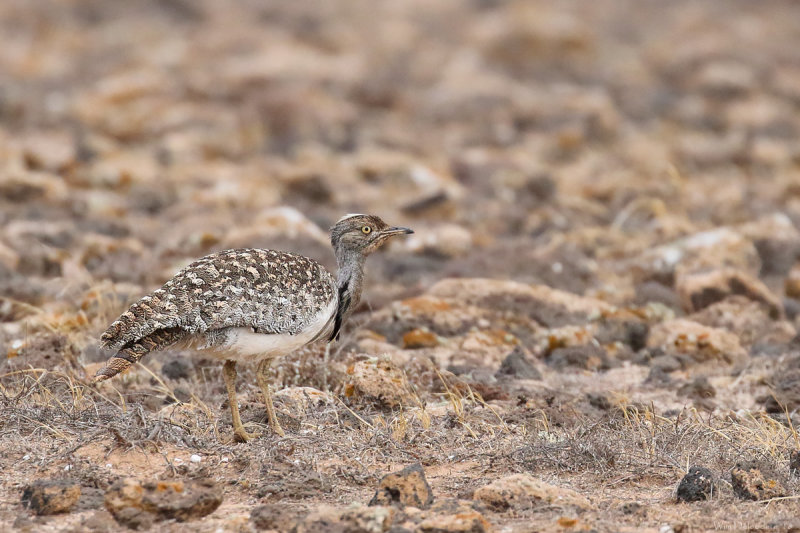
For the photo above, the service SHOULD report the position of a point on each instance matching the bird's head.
(362, 234)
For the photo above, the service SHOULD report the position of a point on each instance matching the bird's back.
(270, 291)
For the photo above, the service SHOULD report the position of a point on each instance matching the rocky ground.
(595, 326)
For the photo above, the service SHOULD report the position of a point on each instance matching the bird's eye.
(366, 230)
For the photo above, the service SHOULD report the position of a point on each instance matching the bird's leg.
(325, 359)
(229, 373)
(261, 376)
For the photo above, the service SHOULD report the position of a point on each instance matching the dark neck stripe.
(342, 307)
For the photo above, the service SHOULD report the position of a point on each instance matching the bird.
(249, 305)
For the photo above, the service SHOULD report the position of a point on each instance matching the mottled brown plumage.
(249, 305)
(265, 290)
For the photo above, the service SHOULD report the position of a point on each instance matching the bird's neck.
(350, 278)
(349, 282)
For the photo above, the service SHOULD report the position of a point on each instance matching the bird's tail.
(133, 352)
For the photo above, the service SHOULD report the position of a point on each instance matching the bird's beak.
(397, 231)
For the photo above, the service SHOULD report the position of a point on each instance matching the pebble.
(137, 503)
(698, 290)
(406, 487)
(376, 519)
(754, 481)
(712, 248)
(524, 491)
(51, 496)
(380, 382)
(686, 337)
(696, 485)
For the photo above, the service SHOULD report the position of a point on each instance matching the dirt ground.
(603, 289)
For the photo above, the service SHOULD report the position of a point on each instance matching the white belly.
(243, 344)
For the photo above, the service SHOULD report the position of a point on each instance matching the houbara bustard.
(249, 305)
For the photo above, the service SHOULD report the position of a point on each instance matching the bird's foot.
(276, 427)
(240, 435)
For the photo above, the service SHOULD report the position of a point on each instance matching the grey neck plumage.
(349, 283)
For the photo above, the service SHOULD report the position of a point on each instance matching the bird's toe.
(243, 436)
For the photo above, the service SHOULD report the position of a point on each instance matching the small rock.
(368, 519)
(483, 348)
(360, 519)
(444, 516)
(550, 307)
(523, 491)
(378, 381)
(135, 503)
(666, 363)
(99, 522)
(708, 249)
(587, 356)
(53, 151)
(551, 339)
(408, 487)
(274, 516)
(134, 518)
(419, 338)
(518, 366)
(746, 318)
(658, 376)
(654, 291)
(91, 498)
(618, 327)
(437, 315)
(698, 290)
(752, 481)
(51, 496)
(686, 337)
(469, 521)
(298, 400)
(697, 485)
(22, 189)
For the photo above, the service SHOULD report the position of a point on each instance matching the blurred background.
(538, 141)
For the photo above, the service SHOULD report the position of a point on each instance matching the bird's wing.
(269, 291)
